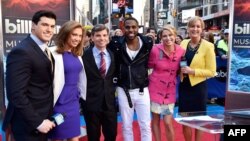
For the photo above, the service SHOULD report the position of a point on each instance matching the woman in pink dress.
(164, 60)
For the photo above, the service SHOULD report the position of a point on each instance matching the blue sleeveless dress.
(68, 101)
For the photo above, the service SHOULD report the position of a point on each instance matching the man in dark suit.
(99, 107)
(29, 82)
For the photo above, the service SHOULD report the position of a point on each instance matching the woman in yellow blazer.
(201, 65)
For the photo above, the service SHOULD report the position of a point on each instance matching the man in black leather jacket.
(132, 52)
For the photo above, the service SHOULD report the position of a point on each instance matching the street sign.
(162, 15)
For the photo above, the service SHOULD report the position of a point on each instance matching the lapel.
(53, 64)
(41, 54)
(112, 58)
(58, 77)
(198, 55)
(90, 60)
(124, 51)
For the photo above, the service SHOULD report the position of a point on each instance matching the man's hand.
(151, 35)
(45, 126)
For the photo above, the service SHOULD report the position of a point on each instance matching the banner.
(239, 58)
(17, 14)
(217, 85)
(119, 5)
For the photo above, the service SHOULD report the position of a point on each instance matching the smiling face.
(74, 38)
(168, 37)
(195, 27)
(195, 30)
(44, 29)
(131, 29)
(100, 39)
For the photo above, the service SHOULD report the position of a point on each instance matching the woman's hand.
(187, 70)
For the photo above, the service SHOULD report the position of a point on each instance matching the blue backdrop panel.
(217, 85)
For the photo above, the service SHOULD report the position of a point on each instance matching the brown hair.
(99, 27)
(193, 20)
(209, 36)
(63, 35)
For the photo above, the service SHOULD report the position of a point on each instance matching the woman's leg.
(198, 135)
(187, 132)
(169, 127)
(156, 126)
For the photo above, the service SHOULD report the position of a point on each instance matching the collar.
(97, 51)
(40, 43)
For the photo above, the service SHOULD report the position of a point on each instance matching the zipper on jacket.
(129, 74)
(139, 58)
(120, 73)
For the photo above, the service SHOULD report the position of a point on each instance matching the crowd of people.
(91, 67)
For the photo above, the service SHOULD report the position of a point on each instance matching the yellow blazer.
(203, 63)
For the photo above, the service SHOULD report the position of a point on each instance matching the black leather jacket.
(131, 74)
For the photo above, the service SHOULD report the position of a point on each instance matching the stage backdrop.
(217, 84)
(17, 14)
(15, 25)
(238, 86)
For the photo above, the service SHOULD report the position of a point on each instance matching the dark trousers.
(32, 137)
(103, 120)
(20, 131)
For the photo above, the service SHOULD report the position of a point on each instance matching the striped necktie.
(102, 68)
(48, 54)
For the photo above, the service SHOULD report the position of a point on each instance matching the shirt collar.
(96, 51)
(40, 43)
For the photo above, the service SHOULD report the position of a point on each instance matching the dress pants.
(141, 104)
(101, 120)
(20, 131)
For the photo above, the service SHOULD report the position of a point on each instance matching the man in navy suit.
(29, 83)
(99, 107)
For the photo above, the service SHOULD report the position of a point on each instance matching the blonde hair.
(169, 28)
(195, 19)
(64, 34)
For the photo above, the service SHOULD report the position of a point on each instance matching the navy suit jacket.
(29, 88)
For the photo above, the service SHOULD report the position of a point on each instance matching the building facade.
(215, 13)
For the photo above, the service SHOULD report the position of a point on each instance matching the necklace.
(191, 48)
(195, 48)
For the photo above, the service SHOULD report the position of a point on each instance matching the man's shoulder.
(146, 39)
(23, 45)
(118, 39)
(87, 52)
(116, 43)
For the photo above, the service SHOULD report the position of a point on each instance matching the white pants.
(141, 104)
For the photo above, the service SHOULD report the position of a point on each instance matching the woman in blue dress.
(69, 80)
